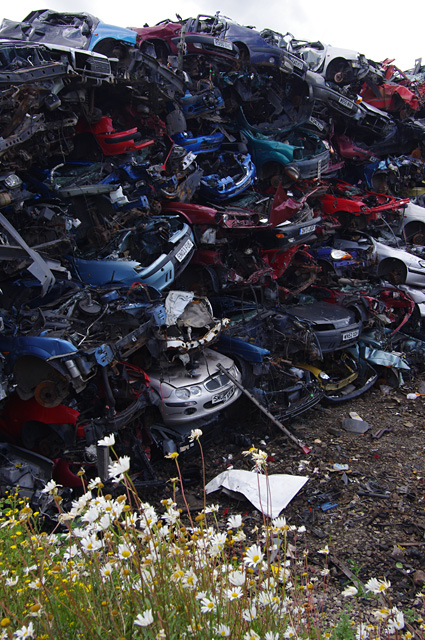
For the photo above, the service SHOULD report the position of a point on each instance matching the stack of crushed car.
(189, 212)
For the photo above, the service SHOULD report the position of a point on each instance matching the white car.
(340, 66)
(190, 394)
(398, 265)
(412, 224)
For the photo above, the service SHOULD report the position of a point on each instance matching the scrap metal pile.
(189, 212)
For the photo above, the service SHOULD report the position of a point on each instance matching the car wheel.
(112, 49)
(393, 270)
(271, 175)
(159, 48)
(328, 274)
(339, 71)
(244, 56)
(414, 232)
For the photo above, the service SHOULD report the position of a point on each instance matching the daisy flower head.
(259, 458)
(251, 635)
(324, 551)
(349, 592)
(237, 578)
(361, 632)
(377, 586)
(106, 570)
(253, 556)
(235, 593)
(207, 605)
(234, 522)
(223, 631)
(396, 621)
(173, 455)
(279, 524)
(212, 508)
(96, 483)
(290, 632)
(249, 614)
(107, 441)
(195, 434)
(52, 488)
(125, 551)
(25, 632)
(144, 619)
(118, 468)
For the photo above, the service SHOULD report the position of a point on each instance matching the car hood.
(323, 313)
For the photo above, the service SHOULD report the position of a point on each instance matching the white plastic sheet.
(269, 494)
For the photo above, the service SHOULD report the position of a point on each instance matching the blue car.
(253, 48)
(155, 252)
(76, 30)
(232, 174)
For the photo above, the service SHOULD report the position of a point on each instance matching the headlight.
(195, 391)
(183, 393)
(233, 370)
(12, 181)
(337, 254)
(422, 264)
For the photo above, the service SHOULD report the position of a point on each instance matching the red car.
(395, 94)
(357, 208)
(165, 39)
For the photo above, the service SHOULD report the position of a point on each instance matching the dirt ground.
(372, 515)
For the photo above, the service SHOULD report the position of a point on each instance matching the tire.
(112, 49)
(244, 55)
(339, 71)
(270, 175)
(161, 50)
(393, 270)
(414, 232)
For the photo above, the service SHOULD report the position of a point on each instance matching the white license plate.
(223, 44)
(182, 253)
(345, 102)
(297, 63)
(308, 229)
(223, 396)
(350, 335)
(316, 123)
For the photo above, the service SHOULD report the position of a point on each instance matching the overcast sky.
(378, 29)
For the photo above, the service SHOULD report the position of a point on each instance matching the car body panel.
(77, 30)
(214, 391)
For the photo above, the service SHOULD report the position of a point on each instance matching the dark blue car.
(253, 48)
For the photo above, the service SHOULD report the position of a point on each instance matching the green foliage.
(344, 630)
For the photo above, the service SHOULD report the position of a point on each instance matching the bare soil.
(371, 515)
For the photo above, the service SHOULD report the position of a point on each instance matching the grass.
(116, 567)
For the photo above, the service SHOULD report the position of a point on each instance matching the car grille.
(216, 382)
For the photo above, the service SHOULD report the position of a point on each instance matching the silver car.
(198, 392)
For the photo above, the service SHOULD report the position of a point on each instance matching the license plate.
(223, 396)
(182, 253)
(350, 335)
(297, 63)
(308, 229)
(223, 44)
(345, 102)
(316, 123)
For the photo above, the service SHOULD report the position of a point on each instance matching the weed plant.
(117, 568)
